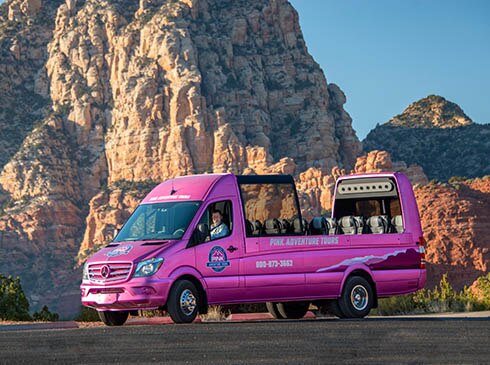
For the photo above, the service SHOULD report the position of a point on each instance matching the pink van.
(225, 239)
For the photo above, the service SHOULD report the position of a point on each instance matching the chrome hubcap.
(359, 297)
(187, 302)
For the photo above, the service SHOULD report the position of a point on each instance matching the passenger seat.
(348, 224)
(285, 226)
(397, 224)
(272, 226)
(332, 226)
(378, 224)
(297, 226)
(361, 224)
(258, 227)
(318, 225)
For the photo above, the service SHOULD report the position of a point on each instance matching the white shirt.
(220, 230)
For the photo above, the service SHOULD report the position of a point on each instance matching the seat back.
(332, 226)
(397, 224)
(348, 224)
(272, 226)
(318, 225)
(297, 226)
(378, 224)
(285, 226)
(258, 228)
(360, 223)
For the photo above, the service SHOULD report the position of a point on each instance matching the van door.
(218, 256)
(272, 265)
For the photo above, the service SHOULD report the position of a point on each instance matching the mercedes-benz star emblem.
(105, 271)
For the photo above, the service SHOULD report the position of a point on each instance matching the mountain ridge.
(450, 144)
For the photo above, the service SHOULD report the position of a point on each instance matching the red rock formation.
(148, 90)
(456, 224)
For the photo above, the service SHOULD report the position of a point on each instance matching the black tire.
(293, 310)
(332, 307)
(113, 318)
(272, 308)
(183, 302)
(357, 298)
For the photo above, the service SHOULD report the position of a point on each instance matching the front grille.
(109, 272)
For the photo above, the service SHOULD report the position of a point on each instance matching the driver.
(218, 228)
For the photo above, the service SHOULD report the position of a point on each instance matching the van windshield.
(158, 221)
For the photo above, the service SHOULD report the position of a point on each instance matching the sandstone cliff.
(437, 135)
(104, 92)
(456, 224)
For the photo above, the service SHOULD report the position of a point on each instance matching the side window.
(217, 221)
(270, 209)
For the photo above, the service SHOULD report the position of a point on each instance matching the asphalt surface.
(454, 341)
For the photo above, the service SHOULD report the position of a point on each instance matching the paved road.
(273, 342)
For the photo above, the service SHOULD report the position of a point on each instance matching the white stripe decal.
(371, 259)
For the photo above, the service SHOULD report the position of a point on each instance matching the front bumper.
(140, 293)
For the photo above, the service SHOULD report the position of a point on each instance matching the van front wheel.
(293, 310)
(183, 302)
(357, 298)
(113, 318)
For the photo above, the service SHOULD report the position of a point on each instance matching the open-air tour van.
(224, 239)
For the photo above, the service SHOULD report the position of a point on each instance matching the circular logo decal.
(217, 259)
(105, 271)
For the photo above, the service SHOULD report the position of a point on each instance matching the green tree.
(13, 302)
(45, 315)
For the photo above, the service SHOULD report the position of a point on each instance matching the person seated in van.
(218, 228)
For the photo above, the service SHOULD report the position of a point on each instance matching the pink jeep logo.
(123, 250)
(218, 260)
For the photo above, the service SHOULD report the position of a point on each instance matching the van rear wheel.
(333, 307)
(272, 308)
(357, 298)
(183, 302)
(293, 310)
(113, 318)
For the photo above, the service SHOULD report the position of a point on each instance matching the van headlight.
(85, 271)
(147, 267)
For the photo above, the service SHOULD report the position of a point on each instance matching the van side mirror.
(199, 235)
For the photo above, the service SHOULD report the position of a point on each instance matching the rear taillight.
(422, 252)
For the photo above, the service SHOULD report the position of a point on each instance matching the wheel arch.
(365, 273)
(203, 302)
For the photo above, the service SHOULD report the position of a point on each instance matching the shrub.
(13, 302)
(215, 314)
(443, 298)
(45, 315)
(483, 288)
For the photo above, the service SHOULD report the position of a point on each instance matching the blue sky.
(386, 54)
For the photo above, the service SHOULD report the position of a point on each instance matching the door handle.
(232, 248)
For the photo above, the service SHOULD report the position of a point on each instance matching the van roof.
(182, 188)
